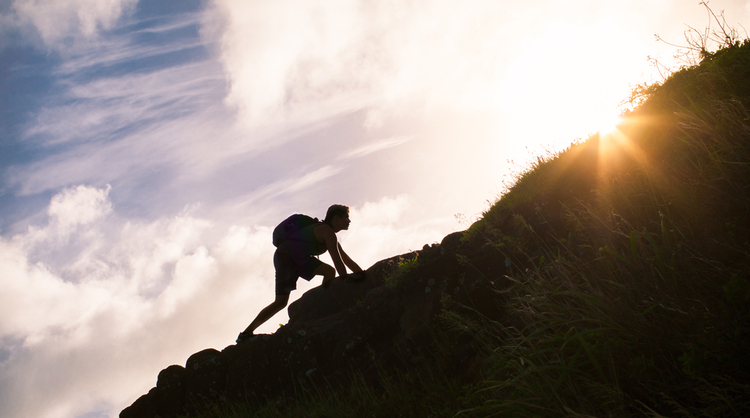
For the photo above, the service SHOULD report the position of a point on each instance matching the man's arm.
(348, 261)
(332, 245)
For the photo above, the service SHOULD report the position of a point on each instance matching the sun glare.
(608, 125)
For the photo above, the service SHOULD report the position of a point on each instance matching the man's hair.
(334, 210)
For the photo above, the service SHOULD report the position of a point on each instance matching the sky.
(148, 148)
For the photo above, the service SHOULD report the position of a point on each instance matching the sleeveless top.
(304, 243)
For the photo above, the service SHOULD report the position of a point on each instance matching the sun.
(611, 138)
(607, 125)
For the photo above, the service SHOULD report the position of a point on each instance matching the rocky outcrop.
(387, 321)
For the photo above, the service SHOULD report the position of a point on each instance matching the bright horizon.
(148, 149)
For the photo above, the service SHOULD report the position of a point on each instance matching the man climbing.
(297, 257)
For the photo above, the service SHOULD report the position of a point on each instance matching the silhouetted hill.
(612, 279)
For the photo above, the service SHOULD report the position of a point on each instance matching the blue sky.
(147, 149)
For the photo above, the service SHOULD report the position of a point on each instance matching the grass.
(633, 298)
(404, 266)
(403, 394)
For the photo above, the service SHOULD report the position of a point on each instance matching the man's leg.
(267, 313)
(327, 272)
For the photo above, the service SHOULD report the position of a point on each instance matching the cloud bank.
(92, 305)
(84, 296)
(296, 58)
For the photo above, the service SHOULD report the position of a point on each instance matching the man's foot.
(244, 336)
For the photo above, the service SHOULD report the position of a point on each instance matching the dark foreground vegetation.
(632, 262)
(625, 287)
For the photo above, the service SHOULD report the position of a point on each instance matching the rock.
(170, 391)
(143, 407)
(451, 242)
(320, 302)
(369, 327)
(205, 376)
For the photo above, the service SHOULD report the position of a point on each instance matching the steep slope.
(612, 279)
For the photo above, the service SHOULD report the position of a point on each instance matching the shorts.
(291, 267)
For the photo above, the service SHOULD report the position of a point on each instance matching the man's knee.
(326, 271)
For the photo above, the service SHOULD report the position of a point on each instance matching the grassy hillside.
(629, 260)
(632, 260)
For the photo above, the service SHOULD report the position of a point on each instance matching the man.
(295, 258)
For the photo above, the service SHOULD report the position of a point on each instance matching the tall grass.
(607, 331)
(426, 392)
(636, 301)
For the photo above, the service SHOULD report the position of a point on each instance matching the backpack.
(290, 226)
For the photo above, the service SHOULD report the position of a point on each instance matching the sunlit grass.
(631, 295)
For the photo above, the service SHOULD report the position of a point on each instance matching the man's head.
(337, 217)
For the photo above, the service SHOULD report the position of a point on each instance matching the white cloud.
(279, 54)
(383, 213)
(127, 303)
(56, 20)
(79, 206)
(387, 228)
(564, 61)
(92, 326)
(291, 57)
(27, 291)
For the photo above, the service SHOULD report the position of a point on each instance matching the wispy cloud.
(284, 187)
(308, 179)
(166, 36)
(114, 124)
(112, 107)
(376, 146)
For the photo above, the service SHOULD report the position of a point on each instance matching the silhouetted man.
(295, 258)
